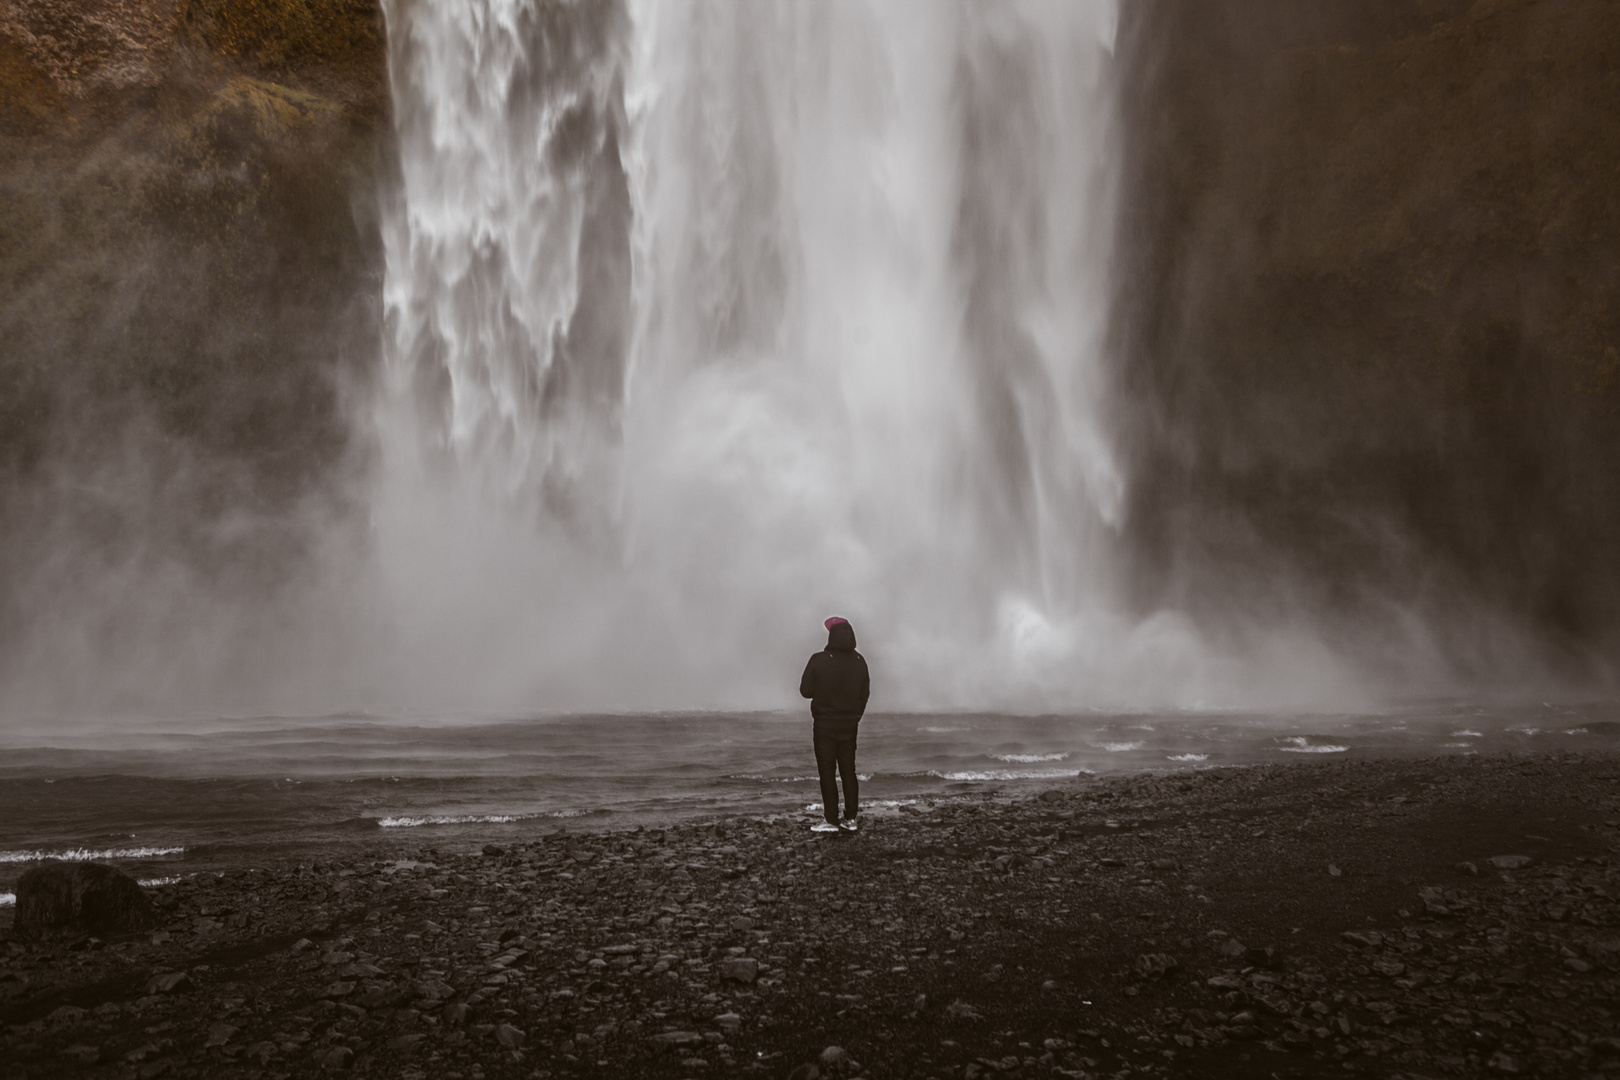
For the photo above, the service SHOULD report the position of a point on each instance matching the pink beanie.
(834, 621)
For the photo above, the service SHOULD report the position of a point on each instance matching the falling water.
(709, 319)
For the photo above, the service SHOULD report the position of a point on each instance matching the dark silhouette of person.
(837, 683)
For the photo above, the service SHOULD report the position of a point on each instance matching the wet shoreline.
(1317, 919)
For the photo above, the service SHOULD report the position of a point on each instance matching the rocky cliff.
(1369, 314)
(188, 258)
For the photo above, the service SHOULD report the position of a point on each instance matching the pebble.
(741, 969)
(337, 1059)
(1509, 862)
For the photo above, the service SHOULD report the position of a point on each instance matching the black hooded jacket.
(836, 682)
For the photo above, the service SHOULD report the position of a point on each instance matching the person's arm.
(866, 685)
(807, 681)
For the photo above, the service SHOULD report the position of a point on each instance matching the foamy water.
(89, 855)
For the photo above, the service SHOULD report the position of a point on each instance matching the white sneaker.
(850, 824)
(825, 826)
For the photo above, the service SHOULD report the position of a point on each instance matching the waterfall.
(710, 318)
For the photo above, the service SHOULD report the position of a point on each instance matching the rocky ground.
(1453, 917)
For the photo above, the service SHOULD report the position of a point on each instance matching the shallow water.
(174, 798)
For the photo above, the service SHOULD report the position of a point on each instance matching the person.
(837, 683)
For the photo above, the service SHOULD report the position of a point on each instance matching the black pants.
(837, 752)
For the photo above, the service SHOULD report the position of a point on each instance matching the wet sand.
(1338, 918)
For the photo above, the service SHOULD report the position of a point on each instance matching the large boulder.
(61, 899)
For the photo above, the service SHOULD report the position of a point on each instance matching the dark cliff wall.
(1369, 314)
(188, 272)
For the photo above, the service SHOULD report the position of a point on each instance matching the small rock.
(1156, 965)
(1231, 948)
(1465, 867)
(142, 1052)
(378, 997)
(1575, 963)
(1164, 864)
(1432, 896)
(219, 1035)
(494, 849)
(1370, 938)
(509, 1036)
(83, 1053)
(1502, 1063)
(455, 1014)
(742, 924)
(962, 1012)
(1334, 871)
(666, 1039)
(433, 990)
(741, 969)
(337, 990)
(728, 1023)
(1388, 968)
(834, 1057)
(1508, 862)
(60, 899)
(806, 1071)
(405, 1042)
(1261, 956)
(170, 982)
(337, 1059)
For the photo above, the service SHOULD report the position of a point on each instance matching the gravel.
(1183, 924)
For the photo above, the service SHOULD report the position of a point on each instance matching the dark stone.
(1156, 965)
(170, 982)
(338, 1059)
(61, 899)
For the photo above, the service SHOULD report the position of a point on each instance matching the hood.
(841, 637)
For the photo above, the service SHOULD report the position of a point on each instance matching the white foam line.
(1313, 749)
(89, 855)
(1188, 757)
(1006, 774)
(1121, 747)
(1025, 759)
(411, 822)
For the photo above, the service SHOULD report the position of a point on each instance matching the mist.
(614, 346)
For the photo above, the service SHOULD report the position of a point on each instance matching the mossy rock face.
(278, 114)
(189, 266)
(337, 45)
(283, 33)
